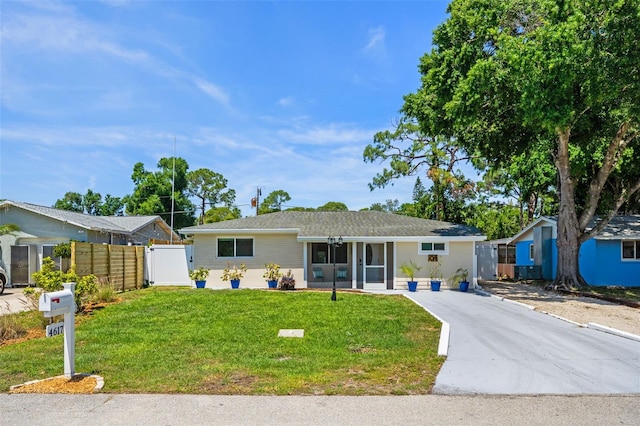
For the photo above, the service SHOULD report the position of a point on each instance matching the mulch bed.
(78, 384)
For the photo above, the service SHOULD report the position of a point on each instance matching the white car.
(3, 279)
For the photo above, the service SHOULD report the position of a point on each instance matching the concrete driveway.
(12, 300)
(497, 347)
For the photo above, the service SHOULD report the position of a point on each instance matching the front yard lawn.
(226, 342)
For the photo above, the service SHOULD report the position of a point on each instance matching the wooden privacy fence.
(122, 266)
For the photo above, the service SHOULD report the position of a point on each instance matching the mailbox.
(57, 303)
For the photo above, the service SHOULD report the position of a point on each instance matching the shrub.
(48, 279)
(287, 282)
(105, 293)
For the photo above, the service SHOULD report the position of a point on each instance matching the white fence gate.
(167, 265)
(487, 253)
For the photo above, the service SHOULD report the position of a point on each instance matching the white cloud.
(212, 90)
(286, 102)
(60, 31)
(376, 41)
(333, 133)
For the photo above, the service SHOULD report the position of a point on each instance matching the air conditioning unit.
(528, 272)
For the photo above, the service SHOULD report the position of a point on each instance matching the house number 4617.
(55, 329)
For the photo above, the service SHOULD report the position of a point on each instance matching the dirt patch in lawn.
(579, 309)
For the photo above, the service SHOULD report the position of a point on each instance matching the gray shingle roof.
(119, 224)
(346, 224)
(621, 227)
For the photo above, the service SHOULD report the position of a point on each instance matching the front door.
(19, 264)
(374, 267)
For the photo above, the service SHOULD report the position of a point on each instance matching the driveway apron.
(498, 347)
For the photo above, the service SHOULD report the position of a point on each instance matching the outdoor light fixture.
(333, 242)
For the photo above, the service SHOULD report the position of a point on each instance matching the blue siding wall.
(600, 263)
(609, 267)
(522, 253)
(588, 268)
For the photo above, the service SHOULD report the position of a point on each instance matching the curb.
(591, 325)
(443, 344)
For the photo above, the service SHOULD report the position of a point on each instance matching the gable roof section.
(550, 220)
(619, 228)
(115, 224)
(350, 224)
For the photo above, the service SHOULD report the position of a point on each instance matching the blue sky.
(277, 95)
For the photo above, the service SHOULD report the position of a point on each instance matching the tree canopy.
(152, 192)
(91, 203)
(516, 77)
(274, 201)
(209, 187)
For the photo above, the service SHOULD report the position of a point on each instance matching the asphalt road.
(497, 347)
(105, 409)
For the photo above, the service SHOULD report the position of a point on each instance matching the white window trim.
(636, 257)
(443, 252)
(532, 252)
(235, 256)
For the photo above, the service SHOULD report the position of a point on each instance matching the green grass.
(225, 342)
(628, 293)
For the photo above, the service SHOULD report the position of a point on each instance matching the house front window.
(321, 253)
(433, 248)
(235, 247)
(631, 250)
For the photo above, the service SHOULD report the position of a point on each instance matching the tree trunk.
(569, 232)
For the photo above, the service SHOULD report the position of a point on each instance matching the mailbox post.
(63, 303)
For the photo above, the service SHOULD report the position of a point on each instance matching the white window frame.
(636, 253)
(235, 247)
(532, 252)
(433, 250)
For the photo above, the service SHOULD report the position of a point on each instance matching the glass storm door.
(374, 265)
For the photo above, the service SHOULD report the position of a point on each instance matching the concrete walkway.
(498, 347)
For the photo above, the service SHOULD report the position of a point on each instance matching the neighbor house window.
(235, 247)
(433, 248)
(321, 253)
(631, 250)
(532, 252)
(506, 254)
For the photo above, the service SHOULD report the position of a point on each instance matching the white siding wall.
(460, 256)
(282, 249)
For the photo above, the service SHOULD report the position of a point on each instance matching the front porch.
(358, 265)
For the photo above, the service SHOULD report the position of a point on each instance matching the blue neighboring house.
(610, 258)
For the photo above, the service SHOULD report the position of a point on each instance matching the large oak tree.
(508, 76)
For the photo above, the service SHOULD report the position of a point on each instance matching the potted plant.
(460, 279)
(272, 274)
(434, 273)
(199, 276)
(287, 282)
(410, 269)
(233, 274)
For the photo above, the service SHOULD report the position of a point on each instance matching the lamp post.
(333, 242)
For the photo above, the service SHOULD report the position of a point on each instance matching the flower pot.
(200, 284)
(464, 286)
(273, 283)
(413, 285)
(235, 283)
(435, 285)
